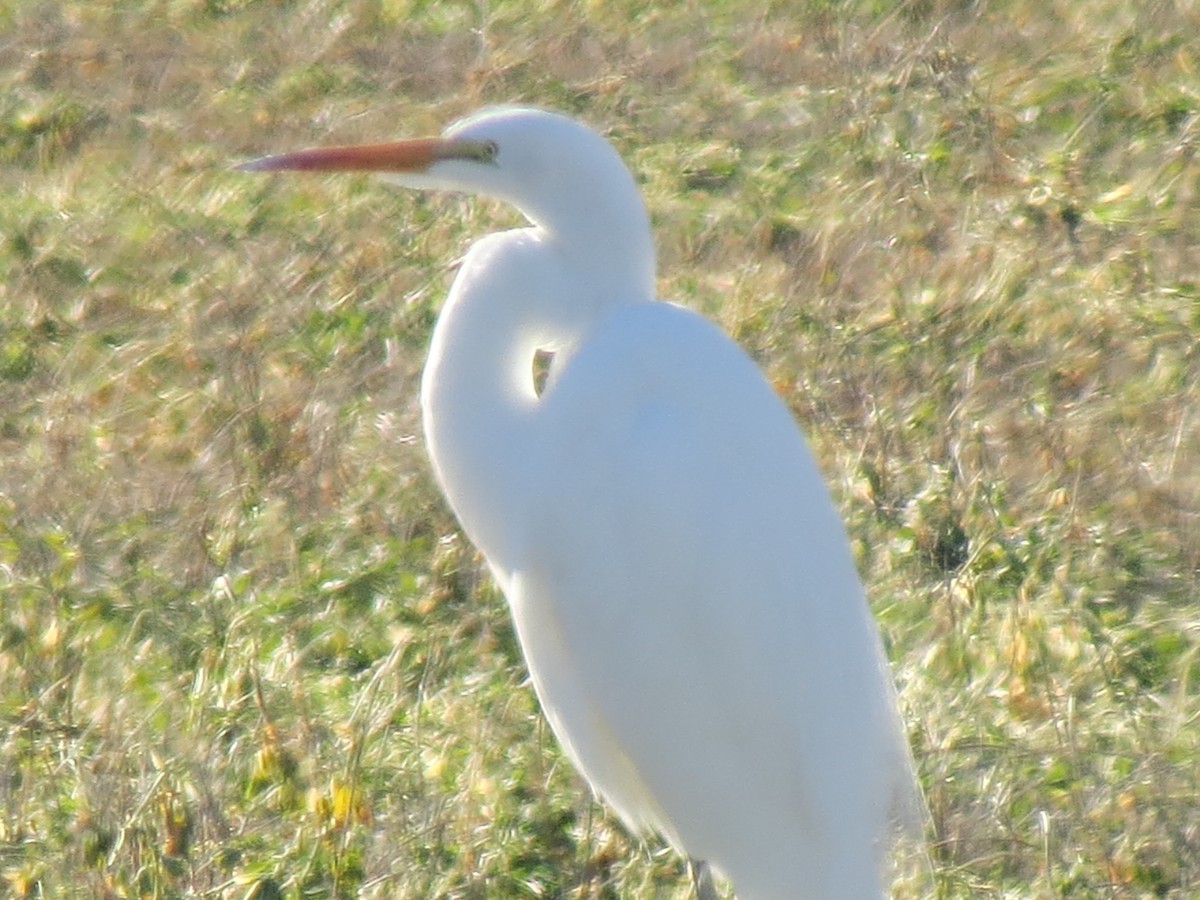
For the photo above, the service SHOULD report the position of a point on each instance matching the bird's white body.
(680, 580)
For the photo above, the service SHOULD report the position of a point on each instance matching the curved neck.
(603, 230)
(516, 293)
(476, 411)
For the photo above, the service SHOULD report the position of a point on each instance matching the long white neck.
(541, 288)
(517, 292)
(476, 413)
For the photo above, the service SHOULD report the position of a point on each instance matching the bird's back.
(692, 618)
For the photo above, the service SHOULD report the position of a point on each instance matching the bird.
(680, 582)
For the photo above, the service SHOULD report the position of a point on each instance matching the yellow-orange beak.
(400, 156)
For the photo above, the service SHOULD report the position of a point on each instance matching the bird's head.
(560, 173)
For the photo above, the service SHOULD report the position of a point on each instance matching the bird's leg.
(702, 879)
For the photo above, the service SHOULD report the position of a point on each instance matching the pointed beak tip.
(262, 164)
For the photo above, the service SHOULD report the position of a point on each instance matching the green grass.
(244, 651)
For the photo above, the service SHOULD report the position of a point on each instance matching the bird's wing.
(687, 600)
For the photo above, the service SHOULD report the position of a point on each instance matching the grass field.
(244, 651)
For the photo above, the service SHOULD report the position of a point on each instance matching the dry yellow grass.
(243, 651)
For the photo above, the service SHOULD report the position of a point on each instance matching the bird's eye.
(469, 149)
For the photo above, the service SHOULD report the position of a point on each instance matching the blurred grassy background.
(244, 651)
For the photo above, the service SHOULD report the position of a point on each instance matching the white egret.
(680, 581)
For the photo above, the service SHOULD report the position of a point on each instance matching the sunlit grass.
(244, 651)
